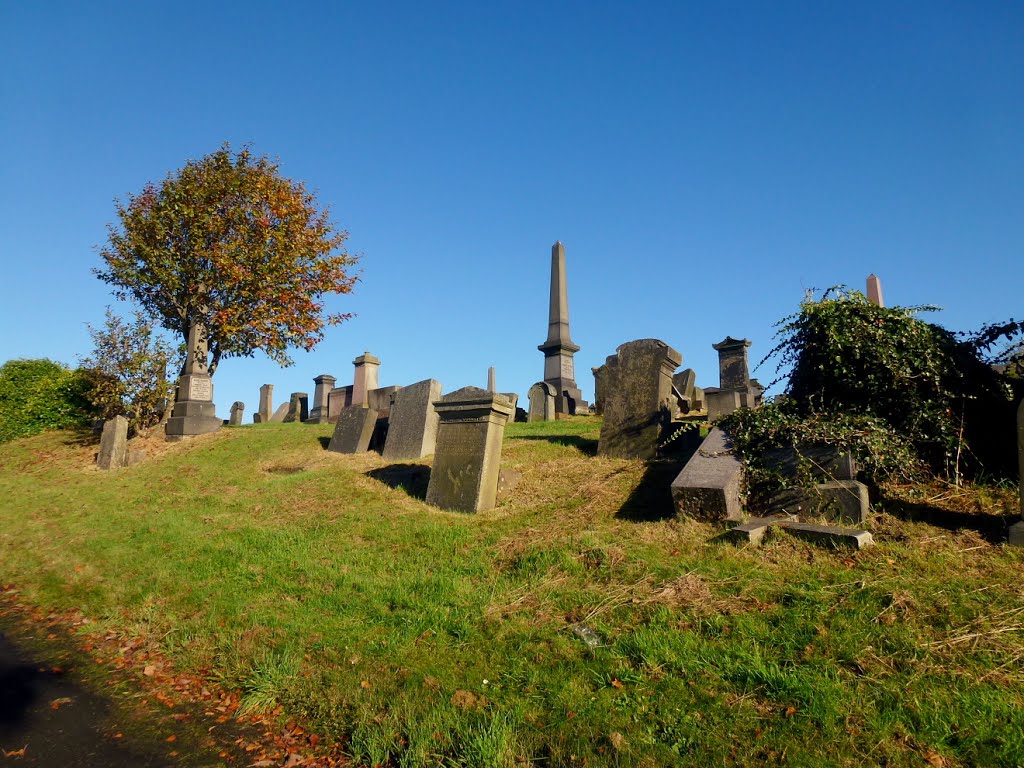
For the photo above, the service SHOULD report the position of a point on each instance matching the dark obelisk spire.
(559, 349)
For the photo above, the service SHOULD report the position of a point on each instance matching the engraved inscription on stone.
(200, 388)
(567, 368)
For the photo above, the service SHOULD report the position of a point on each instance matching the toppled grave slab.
(840, 501)
(708, 488)
(752, 531)
(830, 535)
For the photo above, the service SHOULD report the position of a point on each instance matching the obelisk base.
(196, 414)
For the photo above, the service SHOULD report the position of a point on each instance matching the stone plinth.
(353, 430)
(412, 427)
(366, 375)
(709, 486)
(637, 399)
(266, 410)
(467, 455)
(319, 412)
(237, 412)
(113, 444)
(736, 389)
(542, 402)
(194, 412)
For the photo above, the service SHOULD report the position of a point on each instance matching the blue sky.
(704, 164)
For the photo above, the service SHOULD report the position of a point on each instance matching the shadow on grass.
(992, 528)
(411, 478)
(651, 500)
(586, 445)
(324, 442)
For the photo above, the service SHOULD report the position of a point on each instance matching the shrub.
(36, 395)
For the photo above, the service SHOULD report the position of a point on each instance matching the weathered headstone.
(637, 398)
(736, 389)
(412, 427)
(262, 416)
(558, 348)
(281, 412)
(194, 412)
(113, 452)
(353, 430)
(467, 456)
(298, 408)
(366, 374)
(338, 399)
(542, 402)
(1017, 529)
(380, 399)
(875, 291)
(684, 385)
(513, 399)
(237, 411)
(323, 386)
(709, 486)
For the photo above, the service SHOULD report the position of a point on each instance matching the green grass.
(422, 637)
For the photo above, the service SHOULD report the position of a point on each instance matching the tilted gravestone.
(353, 430)
(1017, 529)
(113, 444)
(323, 386)
(412, 428)
(262, 416)
(637, 392)
(298, 408)
(194, 412)
(709, 486)
(237, 411)
(467, 456)
(281, 412)
(542, 402)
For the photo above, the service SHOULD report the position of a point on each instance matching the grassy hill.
(576, 624)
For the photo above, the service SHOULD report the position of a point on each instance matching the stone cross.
(558, 349)
(875, 291)
(366, 374)
(324, 384)
(467, 455)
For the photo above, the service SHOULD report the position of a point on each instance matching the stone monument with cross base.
(194, 412)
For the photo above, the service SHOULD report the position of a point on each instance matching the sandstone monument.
(194, 412)
(558, 349)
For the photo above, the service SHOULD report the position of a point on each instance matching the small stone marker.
(281, 412)
(298, 408)
(830, 535)
(492, 385)
(542, 402)
(262, 416)
(875, 290)
(353, 430)
(113, 452)
(366, 376)
(237, 411)
(467, 456)
(194, 412)
(1017, 529)
(637, 399)
(708, 488)
(752, 531)
(412, 428)
(323, 386)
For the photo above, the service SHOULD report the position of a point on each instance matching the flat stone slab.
(708, 488)
(824, 463)
(830, 535)
(840, 501)
(752, 531)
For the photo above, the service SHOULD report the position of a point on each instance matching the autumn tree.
(229, 243)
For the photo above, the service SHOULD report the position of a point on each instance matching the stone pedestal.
(194, 412)
(324, 384)
(467, 456)
(366, 377)
(736, 389)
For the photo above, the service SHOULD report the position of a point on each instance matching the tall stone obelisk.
(559, 370)
(193, 412)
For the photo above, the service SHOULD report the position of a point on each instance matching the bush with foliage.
(884, 373)
(131, 370)
(37, 395)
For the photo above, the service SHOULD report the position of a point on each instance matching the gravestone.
(684, 383)
(542, 402)
(412, 424)
(366, 374)
(298, 408)
(237, 411)
(380, 399)
(113, 452)
(323, 386)
(558, 348)
(262, 416)
(467, 456)
(338, 399)
(1017, 529)
(709, 486)
(513, 400)
(281, 412)
(353, 430)
(194, 412)
(637, 392)
(736, 389)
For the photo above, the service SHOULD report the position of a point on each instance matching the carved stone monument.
(113, 444)
(298, 408)
(237, 411)
(542, 402)
(736, 389)
(194, 412)
(353, 430)
(558, 349)
(262, 416)
(467, 456)
(637, 399)
(324, 384)
(412, 427)
(366, 374)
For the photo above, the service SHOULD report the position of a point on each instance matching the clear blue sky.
(703, 163)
